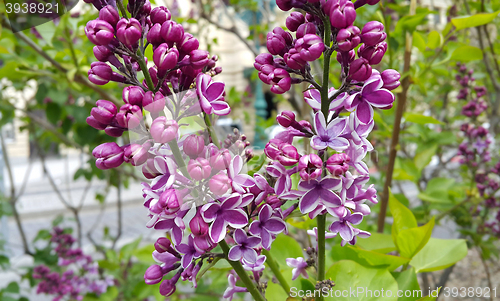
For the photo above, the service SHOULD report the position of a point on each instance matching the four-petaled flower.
(211, 95)
(328, 135)
(221, 215)
(267, 226)
(189, 251)
(232, 288)
(244, 247)
(344, 225)
(319, 193)
(299, 267)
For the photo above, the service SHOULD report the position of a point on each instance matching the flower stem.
(119, 3)
(321, 220)
(145, 71)
(238, 268)
(325, 104)
(178, 158)
(210, 130)
(276, 271)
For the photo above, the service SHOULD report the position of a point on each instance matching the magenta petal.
(231, 202)
(221, 108)
(320, 124)
(331, 183)
(265, 213)
(250, 255)
(255, 228)
(309, 201)
(236, 218)
(338, 144)
(217, 230)
(380, 99)
(209, 212)
(364, 112)
(186, 260)
(177, 235)
(215, 91)
(266, 239)
(164, 225)
(253, 242)
(275, 225)
(318, 144)
(240, 237)
(345, 232)
(329, 198)
(355, 218)
(308, 185)
(372, 85)
(336, 127)
(235, 253)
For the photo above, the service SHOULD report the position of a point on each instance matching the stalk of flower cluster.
(271, 262)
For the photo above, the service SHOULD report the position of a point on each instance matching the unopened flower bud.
(220, 159)
(199, 58)
(219, 184)
(199, 169)
(114, 131)
(294, 21)
(294, 60)
(348, 38)
(193, 145)
(108, 155)
(128, 31)
(342, 13)
(153, 103)
(172, 32)
(99, 32)
(337, 164)
(306, 28)
(360, 70)
(95, 124)
(165, 58)
(281, 81)
(188, 43)
(136, 154)
(390, 77)
(104, 112)
(310, 47)
(160, 15)
(133, 95)
(153, 275)
(129, 116)
(163, 130)
(373, 54)
(109, 14)
(310, 167)
(198, 226)
(286, 118)
(154, 35)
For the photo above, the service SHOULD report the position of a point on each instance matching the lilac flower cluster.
(81, 274)
(475, 150)
(199, 191)
(333, 178)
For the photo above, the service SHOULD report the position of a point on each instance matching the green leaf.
(408, 282)
(13, 288)
(434, 40)
(368, 258)
(285, 247)
(127, 250)
(377, 242)
(439, 254)
(474, 20)
(467, 53)
(403, 217)
(110, 294)
(423, 158)
(420, 119)
(411, 241)
(437, 190)
(418, 41)
(349, 275)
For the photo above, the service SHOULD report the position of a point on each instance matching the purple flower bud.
(360, 70)
(100, 73)
(284, 5)
(281, 81)
(346, 58)
(220, 159)
(104, 112)
(133, 95)
(108, 155)
(219, 184)
(289, 155)
(193, 145)
(165, 58)
(294, 21)
(373, 33)
(114, 131)
(390, 77)
(188, 43)
(109, 14)
(279, 41)
(310, 167)
(136, 154)
(310, 47)
(160, 15)
(172, 32)
(273, 149)
(199, 58)
(286, 118)
(154, 35)
(154, 104)
(128, 31)
(348, 38)
(163, 245)
(199, 169)
(373, 54)
(102, 53)
(198, 226)
(294, 60)
(168, 202)
(337, 164)
(266, 74)
(167, 287)
(306, 28)
(342, 13)
(129, 116)
(153, 275)
(99, 32)
(149, 169)
(263, 59)
(95, 124)
(163, 130)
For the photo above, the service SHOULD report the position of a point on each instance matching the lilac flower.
(356, 153)
(211, 95)
(108, 155)
(372, 95)
(261, 189)
(310, 167)
(232, 288)
(165, 169)
(358, 132)
(328, 136)
(344, 225)
(257, 266)
(319, 193)
(244, 247)
(224, 214)
(284, 181)
(313, 98)
(314, 233)
(357, 233)
(267, 226)
(189, 251)
(239, 181)
(299, 267)
(173, 225)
